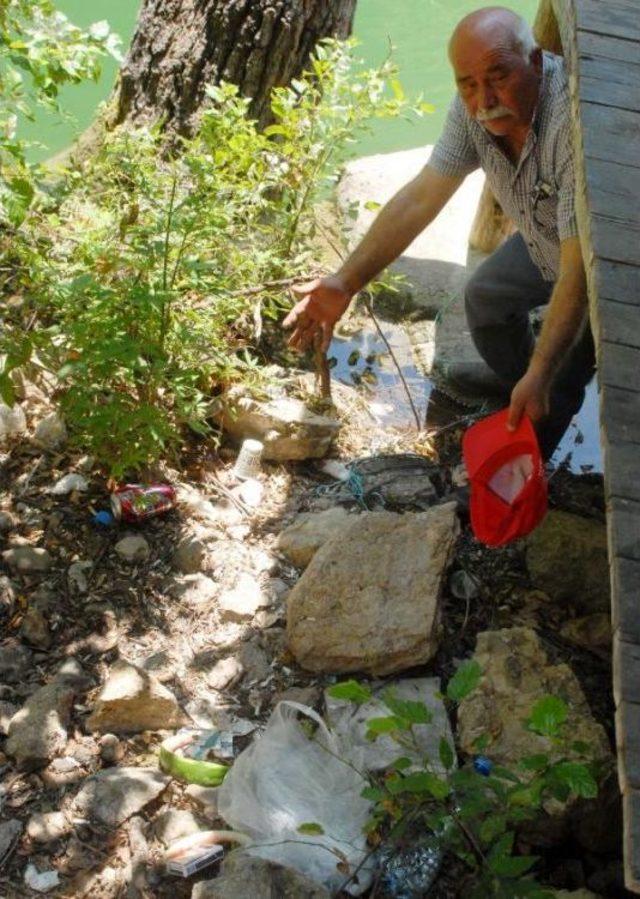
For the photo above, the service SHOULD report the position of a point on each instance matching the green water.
(417, 29)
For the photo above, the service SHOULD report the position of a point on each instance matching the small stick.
(323, 374)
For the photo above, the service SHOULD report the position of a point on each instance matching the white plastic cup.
(248, 461)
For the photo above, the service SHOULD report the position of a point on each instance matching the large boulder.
(132, 700)
(516, 673)
(115, 794)
(567, 558)
(301, 540)
(368, 600)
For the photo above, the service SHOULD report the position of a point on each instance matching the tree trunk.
(180, 46)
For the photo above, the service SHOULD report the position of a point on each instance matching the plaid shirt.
(538, 192)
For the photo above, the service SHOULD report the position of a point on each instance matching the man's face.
(498, 86)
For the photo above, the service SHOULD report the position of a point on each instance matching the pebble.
(111, 749)
(133, 548)
(45, 827)
(40, 881)
(27, 559)
(35, 629)
(77, 576)
(68, 483)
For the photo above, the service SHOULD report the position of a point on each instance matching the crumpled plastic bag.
(286, 779)
(510, 480)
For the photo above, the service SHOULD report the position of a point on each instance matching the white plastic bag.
(286, 779)
(509, 481)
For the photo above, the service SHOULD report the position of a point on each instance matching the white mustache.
(486, 115)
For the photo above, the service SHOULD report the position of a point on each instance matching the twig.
(323, 374)
(367, 302)
(230, 496)
(268, 285)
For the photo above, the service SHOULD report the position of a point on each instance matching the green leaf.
(397, 89)
(402, 763)
(412, 711)
(577, 778)
(420, 782)
(512, 866)
(375, 794)
(7, 390)
(351, 691)
(311, 829)
(446, 753)
(383, 725)
(534, 762)
(464, 681)
(492, 827)
(547, 715)
(372, 206)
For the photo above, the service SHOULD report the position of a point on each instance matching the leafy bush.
(156, 273)
(472, 815)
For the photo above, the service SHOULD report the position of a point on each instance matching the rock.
(306, 695)
(40, 881)
(7, 522)
(45, 827)
(591, 632)
(284, 425)
(27, 559)
(244, 600)
(13, 422)
(7, 595)
(111, 749)
(71, 673)
(300, 541)
(244, 876)
(254, 662)
(204, 798)
(38, 731)
(567, 558)
(195, 590)
(132, 700)
(133, 548)
(51, 432)
(15, 662)
(516, 674)
(349, 722)
(172, 824)
(7, 711)
(224, 673)
(68, 483)
(77, 576)
(190, 554)
(35, 629)
(9, 832)
(113, 795)
(368, 601)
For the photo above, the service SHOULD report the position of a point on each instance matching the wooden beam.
(625, 600)
(631, 816)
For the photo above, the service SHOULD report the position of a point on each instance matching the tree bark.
(181, 46)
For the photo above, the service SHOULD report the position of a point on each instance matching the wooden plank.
(631, 839)
(619, 366)
(625, 599)
(617, 18)
(610, 134)
(609, 82)
(626, 672)
(615, 240)
(623, 525)
(613, 190)
(628, 745)
(622, 472)
(618, 323)
(620, 414)
(615, 281)
(606, 47)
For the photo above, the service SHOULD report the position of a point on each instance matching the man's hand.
(530, 396)
(323, 302)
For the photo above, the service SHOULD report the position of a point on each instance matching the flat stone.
(195, 590)
(77, 576)
(38, 731)
(567, 558)
(15, 662)
(172, 824)
(35, 629)
(50, 432)
(349, 722)
(113, 795)
(244, 876)
(301, 540)
(224, 673)
(243, 601)
(254, 662)
(9, 832)
(133, 548)
(369, 599)
(45, 827)
(41, 881)
(27, 559)
(306, 695)
(131, 701)
(204, 798)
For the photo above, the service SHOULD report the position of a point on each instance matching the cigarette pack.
(194, 860)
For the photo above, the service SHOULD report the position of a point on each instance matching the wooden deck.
(601, 44)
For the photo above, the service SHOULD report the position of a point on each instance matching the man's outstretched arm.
(563, 323)
(405, 215)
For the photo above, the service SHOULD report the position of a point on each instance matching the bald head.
(495, 26)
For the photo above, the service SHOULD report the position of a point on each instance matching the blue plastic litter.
(103, 518)
(483, 765)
